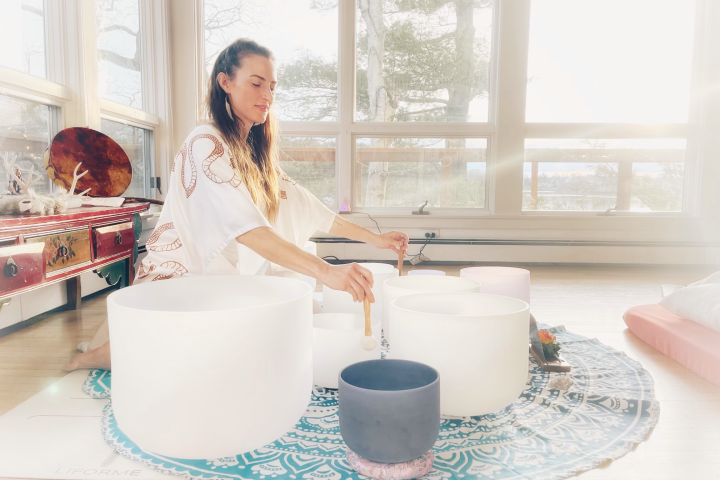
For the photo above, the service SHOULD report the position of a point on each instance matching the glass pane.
(24, 135)
(423, 61)
(310, 161)
(137, 146)
(22, 36)
(610, 61)
(119, 53)
(407, 172)
(303, 36)
(597, 175)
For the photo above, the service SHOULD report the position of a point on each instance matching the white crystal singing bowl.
(337, 343)
(426, 272)
(336, 301)
(478, 343)
(508, 281)
(211, 366)
(401, 286)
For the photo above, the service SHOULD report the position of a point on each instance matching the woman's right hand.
(350, 278)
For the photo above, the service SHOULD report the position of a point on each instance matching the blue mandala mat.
(547, 434)
(97, 384)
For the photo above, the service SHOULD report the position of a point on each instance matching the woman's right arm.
(351, 278)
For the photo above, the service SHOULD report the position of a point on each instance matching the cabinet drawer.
(21, 266)
(114, 239)
(63, 250)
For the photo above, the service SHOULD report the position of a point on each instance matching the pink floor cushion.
(691, 344)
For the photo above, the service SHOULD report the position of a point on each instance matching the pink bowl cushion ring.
(415, 468)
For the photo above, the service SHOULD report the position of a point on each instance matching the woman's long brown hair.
(255, 159)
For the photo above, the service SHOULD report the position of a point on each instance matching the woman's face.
(251, 91)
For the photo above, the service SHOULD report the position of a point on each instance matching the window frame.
(346, 129)
(688, 131)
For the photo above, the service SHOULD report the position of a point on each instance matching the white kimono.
(207, 207)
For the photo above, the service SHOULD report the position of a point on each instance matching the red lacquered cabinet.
(37, 251)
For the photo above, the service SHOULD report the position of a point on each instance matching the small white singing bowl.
(507, 281)
(399, 287)
(426, 272)
(337, 301)
(337, 343)
(478, 343)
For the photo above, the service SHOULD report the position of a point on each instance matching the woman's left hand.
(395, 241)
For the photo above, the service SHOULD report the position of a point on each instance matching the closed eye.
(257, 85)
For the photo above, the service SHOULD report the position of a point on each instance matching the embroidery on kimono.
(177, 269)
(181, 153)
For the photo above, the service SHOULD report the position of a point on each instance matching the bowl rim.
(113, 297)
(452, 316)
(432, 384)
(389, 282)
(510, 271)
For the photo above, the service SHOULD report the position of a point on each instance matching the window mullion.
(346, 107)
(507, 172)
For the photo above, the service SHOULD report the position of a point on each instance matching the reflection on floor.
(589, 300)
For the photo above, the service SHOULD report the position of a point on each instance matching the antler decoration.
(76, 177)
(24, 186)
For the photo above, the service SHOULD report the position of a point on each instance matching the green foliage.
(550, 350)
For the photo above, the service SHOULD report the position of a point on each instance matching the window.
(137, 143)
(599, 175)
(407, 172)
(25, 134)
(22, 36)
(303, 36)
(423, 62)
(310, 161)
(119, 52)
(610, 61)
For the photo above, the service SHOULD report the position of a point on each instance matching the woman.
(227, 192)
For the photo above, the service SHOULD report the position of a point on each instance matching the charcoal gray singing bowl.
(389, 409)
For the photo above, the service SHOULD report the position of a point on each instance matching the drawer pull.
(11, 269)
(118, 238)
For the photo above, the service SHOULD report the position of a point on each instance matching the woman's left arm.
(395, 241)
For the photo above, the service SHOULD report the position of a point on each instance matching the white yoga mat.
(56, 434)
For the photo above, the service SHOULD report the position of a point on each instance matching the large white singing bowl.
(478, 343)
(401, 286)
(337, 343)
(508, 281)
(337, 301)
(214, 366)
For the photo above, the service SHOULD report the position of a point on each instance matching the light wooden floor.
(587, 300)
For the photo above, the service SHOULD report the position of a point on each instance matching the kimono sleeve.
(219, 208)
(307, 212)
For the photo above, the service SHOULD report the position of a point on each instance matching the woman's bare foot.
(97, 358)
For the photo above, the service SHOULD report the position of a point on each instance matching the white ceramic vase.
(336, 301)
(399, 287)
(478, 343)
(508, 281)
(210, 366)
(337, 343)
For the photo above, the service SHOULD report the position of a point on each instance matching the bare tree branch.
(31, 9)
(125, 29)
(129, 63)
